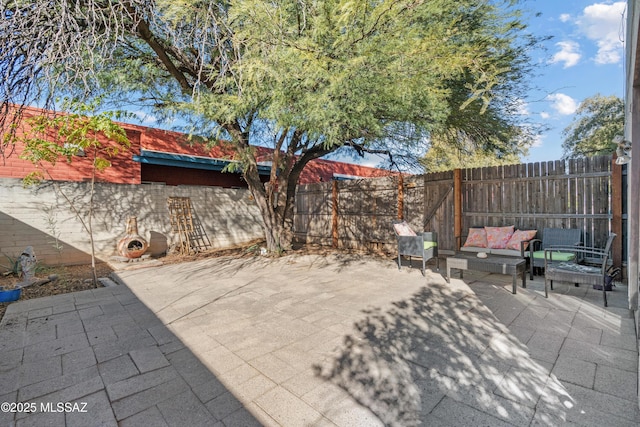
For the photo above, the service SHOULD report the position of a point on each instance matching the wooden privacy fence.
(577, 193)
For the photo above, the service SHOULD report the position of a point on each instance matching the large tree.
(598, 120)
(303, 77)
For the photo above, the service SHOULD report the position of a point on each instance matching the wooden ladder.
(185, 222)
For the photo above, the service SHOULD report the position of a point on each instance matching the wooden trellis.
(185, 222)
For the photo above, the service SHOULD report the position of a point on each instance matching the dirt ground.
(71, 278)
(78, 277)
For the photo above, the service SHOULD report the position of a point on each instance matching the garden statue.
(28, 265)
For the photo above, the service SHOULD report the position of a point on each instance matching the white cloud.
(521, 107)
(569, 54)
(545, 115)
(145, 118)
(538, 140)
(563, 104)
(565, 17)
(602, 23)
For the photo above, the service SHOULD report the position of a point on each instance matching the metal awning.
(162, 158)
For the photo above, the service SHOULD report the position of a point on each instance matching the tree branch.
(361, 150)
(147, 36)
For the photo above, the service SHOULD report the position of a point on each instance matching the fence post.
(334, 213)
(616, 211)
(400, 197)
(457, 206)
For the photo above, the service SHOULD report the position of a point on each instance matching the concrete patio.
(342, 340)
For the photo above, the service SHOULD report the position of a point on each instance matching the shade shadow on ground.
(107, 353)
(352, 340)
(441, 356)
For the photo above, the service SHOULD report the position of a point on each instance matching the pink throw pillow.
(498, 237)
(477, 238)
(403, 229)
(519, 236)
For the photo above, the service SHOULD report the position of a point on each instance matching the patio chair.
(424, 245)
(553, 237)
(573, 272)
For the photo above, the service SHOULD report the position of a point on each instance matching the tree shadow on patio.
(442, 357)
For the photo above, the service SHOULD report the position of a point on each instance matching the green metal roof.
(186, 161)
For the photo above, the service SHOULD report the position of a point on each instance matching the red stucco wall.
(123, 170)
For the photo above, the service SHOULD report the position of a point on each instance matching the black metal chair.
(573, 272)
(553, 237)
(423, 245)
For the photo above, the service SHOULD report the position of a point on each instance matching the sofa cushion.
(520, 236)
(498, 237)
(477, 238)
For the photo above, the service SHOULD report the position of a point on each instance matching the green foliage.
(33, 178)
(597, 121)
(349, 70)
(444, 157)
(304, 78)
(51, 138)
(12, 265)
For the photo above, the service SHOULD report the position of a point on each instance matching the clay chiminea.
(132, 245)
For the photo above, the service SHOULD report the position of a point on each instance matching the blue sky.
(585, 57)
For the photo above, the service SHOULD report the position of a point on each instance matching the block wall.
(41, 217)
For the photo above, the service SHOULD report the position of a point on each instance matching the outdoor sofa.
(503, 241)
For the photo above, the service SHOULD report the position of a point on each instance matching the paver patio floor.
(341, 340)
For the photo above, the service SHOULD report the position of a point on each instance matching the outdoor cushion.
(429, 245)
(519, 236)
(477, 238)
(403, 229)
(578, 268)
(556, 256)
(498, 237)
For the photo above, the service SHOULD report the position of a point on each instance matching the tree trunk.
(276, 198)
(278, 237)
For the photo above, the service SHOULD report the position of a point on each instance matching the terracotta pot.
(132, 245)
